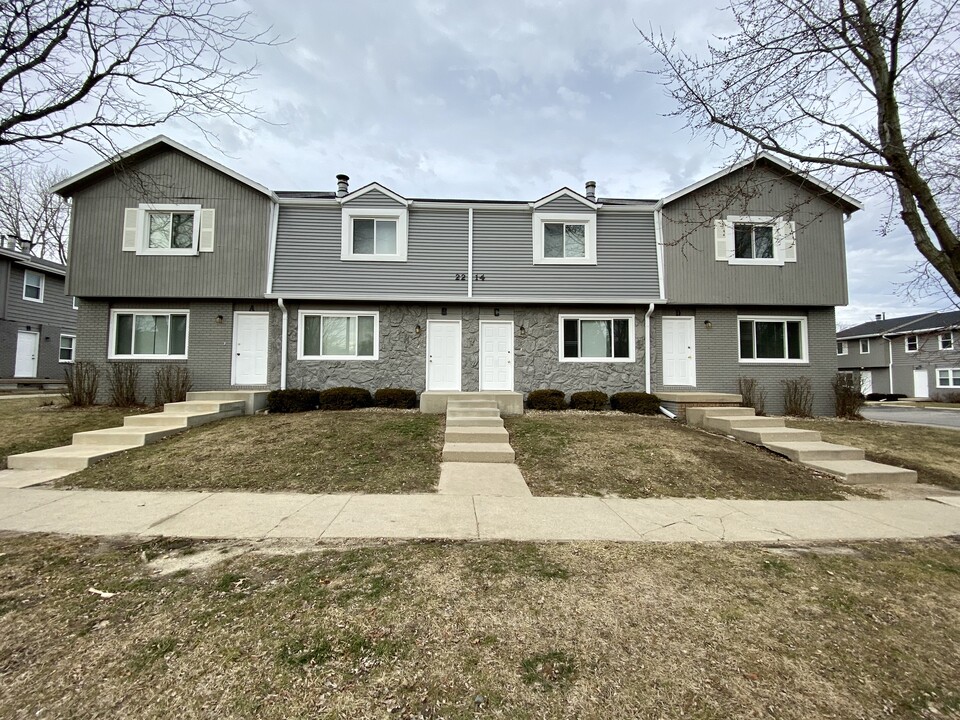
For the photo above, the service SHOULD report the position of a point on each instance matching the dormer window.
(374, 234)
(374, 237)
(564, 238)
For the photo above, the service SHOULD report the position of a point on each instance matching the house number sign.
(463, 277)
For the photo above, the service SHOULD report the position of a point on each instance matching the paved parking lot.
(914, 416)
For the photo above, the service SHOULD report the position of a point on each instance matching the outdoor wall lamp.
(219, 319)
(443, 311)
(523, 331)
(418, 329)
(707, 324)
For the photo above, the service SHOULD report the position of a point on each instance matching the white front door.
(251, 337)
(679, 352)
(921, 384)
(496, 355)
(443, 355)
(28, 345)
(866, 382)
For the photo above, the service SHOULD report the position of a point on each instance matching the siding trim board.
(466, 300)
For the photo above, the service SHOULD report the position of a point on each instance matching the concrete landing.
(494, 479)
(437, 402)
(28, 478)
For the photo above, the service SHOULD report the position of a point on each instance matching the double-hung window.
(948, 377)
(33, 286)
(911, 343)
(148, 334)
(68, 345)
(564, 238)
(374, 234)
(842, 347)
(946, 341)
(753, 241)
(864, 346)
(598, 339)
(338, 335)
(773, 340)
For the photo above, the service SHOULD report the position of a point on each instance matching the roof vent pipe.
(592, 190)
(880, 316)
(342, 181)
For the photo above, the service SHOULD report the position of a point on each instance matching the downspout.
(646, 347)
(889, 363)
(283, 344)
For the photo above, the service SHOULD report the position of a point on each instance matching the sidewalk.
(289, 515)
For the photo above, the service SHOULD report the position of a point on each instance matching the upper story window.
(152, 229)
(67, 348)
(948, 378)
(373, 234)
(33, 286)
(865, 346)
(76, 303)
(946, 341)
(148, 334)
(593, 338)
(564, 238)
(755, 240)
(911, 343)
(842, 347)
(338, 335)
(170, 230)
(773, 340)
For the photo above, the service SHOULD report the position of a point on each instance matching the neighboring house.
(917, 355)
(38, 322)
(178, 259)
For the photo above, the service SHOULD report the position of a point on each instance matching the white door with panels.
(679, 352)
(443, 355)
(866, 382)
(496, 355)
(921, 384)
(251, 339)
(28, 348)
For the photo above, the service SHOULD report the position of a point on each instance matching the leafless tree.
(29, 211)
(80, 70)
(868, 90)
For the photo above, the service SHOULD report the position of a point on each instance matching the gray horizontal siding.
(56, 308)
(626, 259)
(877, 357)
(694, 275)
(236, 268)
(309, 249)
(565, 204)
(373, 199)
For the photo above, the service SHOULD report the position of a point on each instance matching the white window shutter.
(131, 229)
(723, 238)
(207, 222)
(789, 240)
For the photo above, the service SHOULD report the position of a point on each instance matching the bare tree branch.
(29, 212)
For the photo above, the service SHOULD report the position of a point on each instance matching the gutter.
(274, 224)
(283, 344)
(889, 362)
(646, 346)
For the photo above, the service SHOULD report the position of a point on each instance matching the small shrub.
(590, 400)
(123, 377)
(848, 400)
(946, 397)
(639, 403)
(546, 400)
(874, 397)
(894, 396)
(293, 400)
(753, 394)
(171, 383)
(797, 397)
(345, 398)
(402, 398)
(83, 380)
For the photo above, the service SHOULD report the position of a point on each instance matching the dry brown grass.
(633, 456)
(377, 451)
(37, 423)
(934, 453)
(464, 630)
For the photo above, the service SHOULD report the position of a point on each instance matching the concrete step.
(807, 451)
(468, 404)
(197, 406)
(476, 435)
(474, 421)
(71, 457)
(764, 436)
(726, 424)
(478, 452)
(254, 399)
(174, 419)
(125, 435)
(695, 415)
(473, 412)
(858, 472)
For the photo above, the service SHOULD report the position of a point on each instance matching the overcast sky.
(492, 99)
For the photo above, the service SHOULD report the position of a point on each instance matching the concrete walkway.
(288, 515)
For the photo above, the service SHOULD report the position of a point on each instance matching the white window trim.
(949, 336)
(73, 349)
(777, 258)
(906, 344)
(339, 313)
(587, 219)
(111, 350)
(842, 349)
(348, 215)
(862, 341)
(633, 339)
(43, 283)
(76, 303)
(951, 372)
(804, 342)
(143, 229)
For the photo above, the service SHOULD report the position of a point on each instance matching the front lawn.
(464, 630)
(634, 456)
(933, 452)
(374, 451)
(38, 423)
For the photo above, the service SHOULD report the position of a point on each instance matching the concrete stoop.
(802, 446)
(139, 430)
(475, 433)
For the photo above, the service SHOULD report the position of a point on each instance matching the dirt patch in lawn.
(633, 456)
(464, 630)
(934, 453)
(28, 424)
(375, 451)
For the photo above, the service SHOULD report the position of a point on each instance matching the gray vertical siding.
(565, 204)
(695, 276)
(236, 268)
(56, 308)
(373, 199)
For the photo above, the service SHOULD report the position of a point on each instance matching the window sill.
(146, 357)
(744, 261)
(564, 261)
(597, 360)
(39, 301)
(338, 358)
(66, 362)
(170, 253)
(374, 258)
(773, 361)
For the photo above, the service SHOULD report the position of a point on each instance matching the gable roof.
(852, 204)
(374, 186)
(564, 192)
(33, 262)
(70, 186)
(925, 322)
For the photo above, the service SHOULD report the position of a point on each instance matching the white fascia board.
(564, 192)
(374, 186)
(176, 146)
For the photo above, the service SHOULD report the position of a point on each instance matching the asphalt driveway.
(913, 416)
